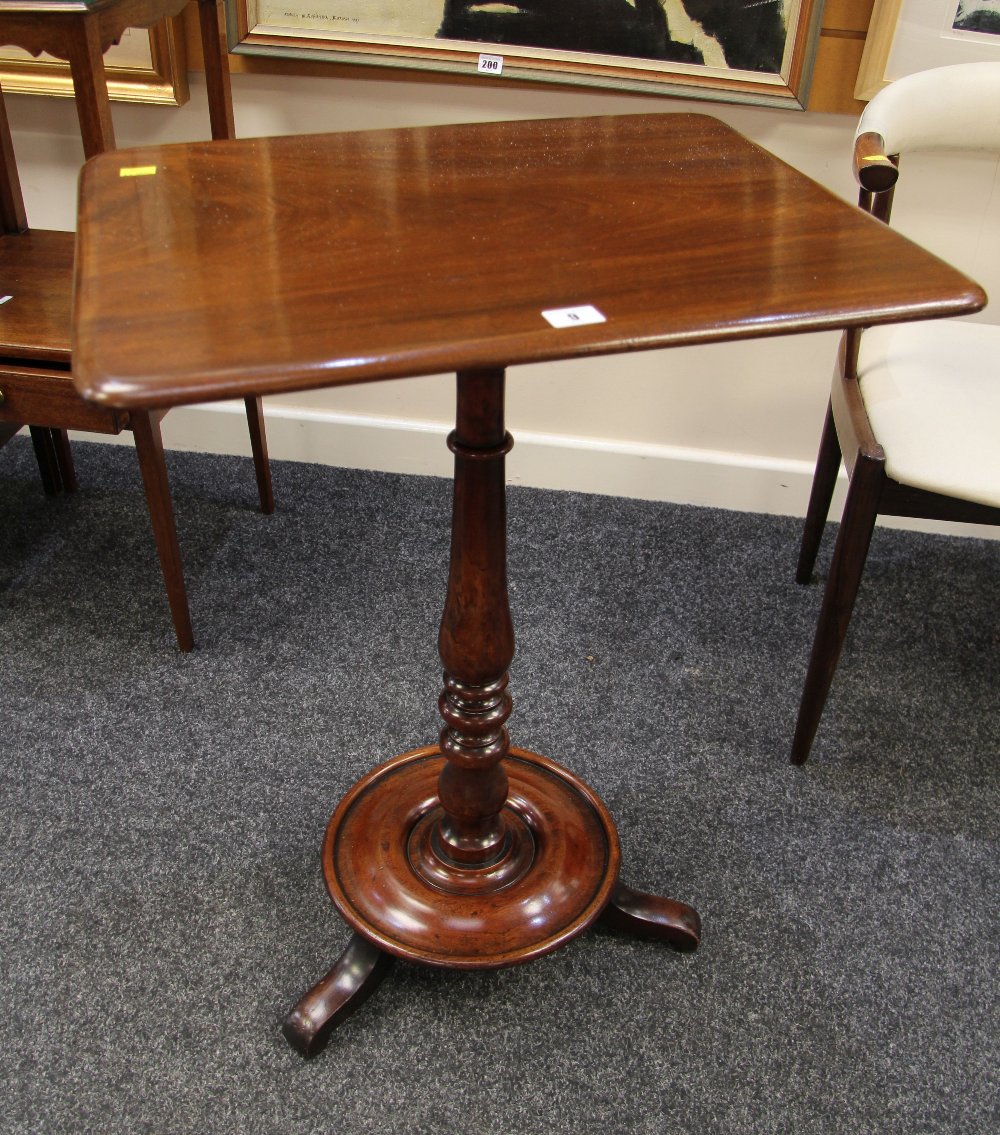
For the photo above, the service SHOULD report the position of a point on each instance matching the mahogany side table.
(282, 264)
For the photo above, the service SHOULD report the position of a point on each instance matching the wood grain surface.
(276, 264)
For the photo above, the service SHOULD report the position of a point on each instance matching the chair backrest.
(13, 218)
(955, 108)
(106, 20)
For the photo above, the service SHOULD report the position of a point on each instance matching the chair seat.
(36, 269)
(932, 394)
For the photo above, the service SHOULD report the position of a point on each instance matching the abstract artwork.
(740, 50)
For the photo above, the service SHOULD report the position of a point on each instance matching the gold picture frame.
(412, 34)
(145, 66)
(914, 35)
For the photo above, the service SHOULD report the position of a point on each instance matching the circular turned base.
(550, 881)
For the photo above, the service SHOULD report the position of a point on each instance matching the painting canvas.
(980, 16)
(746, 50)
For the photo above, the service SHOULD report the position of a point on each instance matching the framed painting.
(145, 66)
(915, 35)
(752, 51)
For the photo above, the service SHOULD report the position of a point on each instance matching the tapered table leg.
(471, 854)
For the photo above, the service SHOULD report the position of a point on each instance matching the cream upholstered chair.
(915, 408)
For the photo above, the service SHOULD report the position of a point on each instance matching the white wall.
(734, 425)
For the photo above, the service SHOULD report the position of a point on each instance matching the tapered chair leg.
(258, 444)
(824, 480)
(47, 456)
(149, 448)
(846, 569)
(64, 459)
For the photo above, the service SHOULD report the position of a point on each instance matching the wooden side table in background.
(36, 267)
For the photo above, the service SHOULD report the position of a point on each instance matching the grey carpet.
(161, 901)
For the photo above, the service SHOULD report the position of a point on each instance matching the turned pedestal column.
(469, 853)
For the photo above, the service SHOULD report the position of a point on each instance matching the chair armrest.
(874, 169)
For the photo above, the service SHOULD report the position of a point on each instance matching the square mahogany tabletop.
(220, 269)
